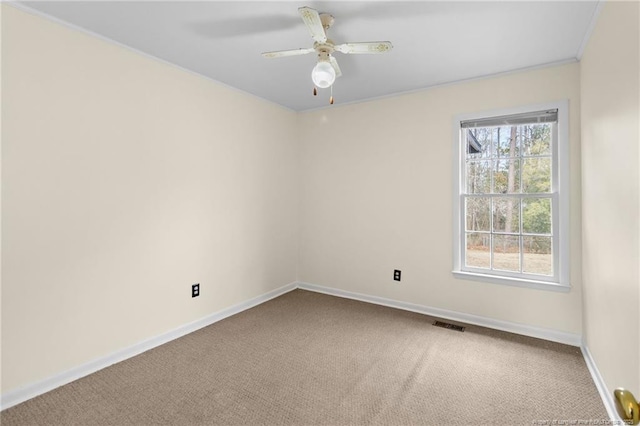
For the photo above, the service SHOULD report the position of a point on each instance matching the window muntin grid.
(508, 181)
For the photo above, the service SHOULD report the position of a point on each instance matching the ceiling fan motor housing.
(323, 53)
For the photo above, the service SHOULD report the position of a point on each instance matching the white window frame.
(560, 194)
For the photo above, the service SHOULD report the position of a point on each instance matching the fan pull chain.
(315, 91)
(331, 97)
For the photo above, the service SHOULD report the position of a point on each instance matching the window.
(511, 197)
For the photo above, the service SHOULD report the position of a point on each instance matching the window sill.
(517, 282)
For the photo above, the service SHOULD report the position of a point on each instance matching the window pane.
(536, 216)
(506, 214)
(478, 214)
(478, 253)
(506, 177)
(506, 252)
(536, 175)
(478, 143)
(507, 142)
(537, 256)
(478, 177)
(536, 139)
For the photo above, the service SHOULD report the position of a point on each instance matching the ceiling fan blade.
(311, 18)
(335, 66)
(365, 47)
(292, 52)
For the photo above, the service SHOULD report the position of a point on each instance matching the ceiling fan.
(326, 70)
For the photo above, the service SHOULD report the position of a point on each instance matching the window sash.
(555, 254)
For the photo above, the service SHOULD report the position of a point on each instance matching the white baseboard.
(32, 390)
(605, 395)
(512, 327)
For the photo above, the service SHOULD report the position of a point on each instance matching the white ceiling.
(434, 42)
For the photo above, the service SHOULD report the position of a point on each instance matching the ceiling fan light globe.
(323, 75)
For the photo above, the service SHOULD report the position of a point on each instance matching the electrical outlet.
(195, 290)
(396, 274)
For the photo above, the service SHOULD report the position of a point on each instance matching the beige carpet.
(310, 359)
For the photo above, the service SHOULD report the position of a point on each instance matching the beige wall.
(376, 195)
(610, 89)
(124, 181)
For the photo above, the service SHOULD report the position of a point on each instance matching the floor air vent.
(449, 326)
